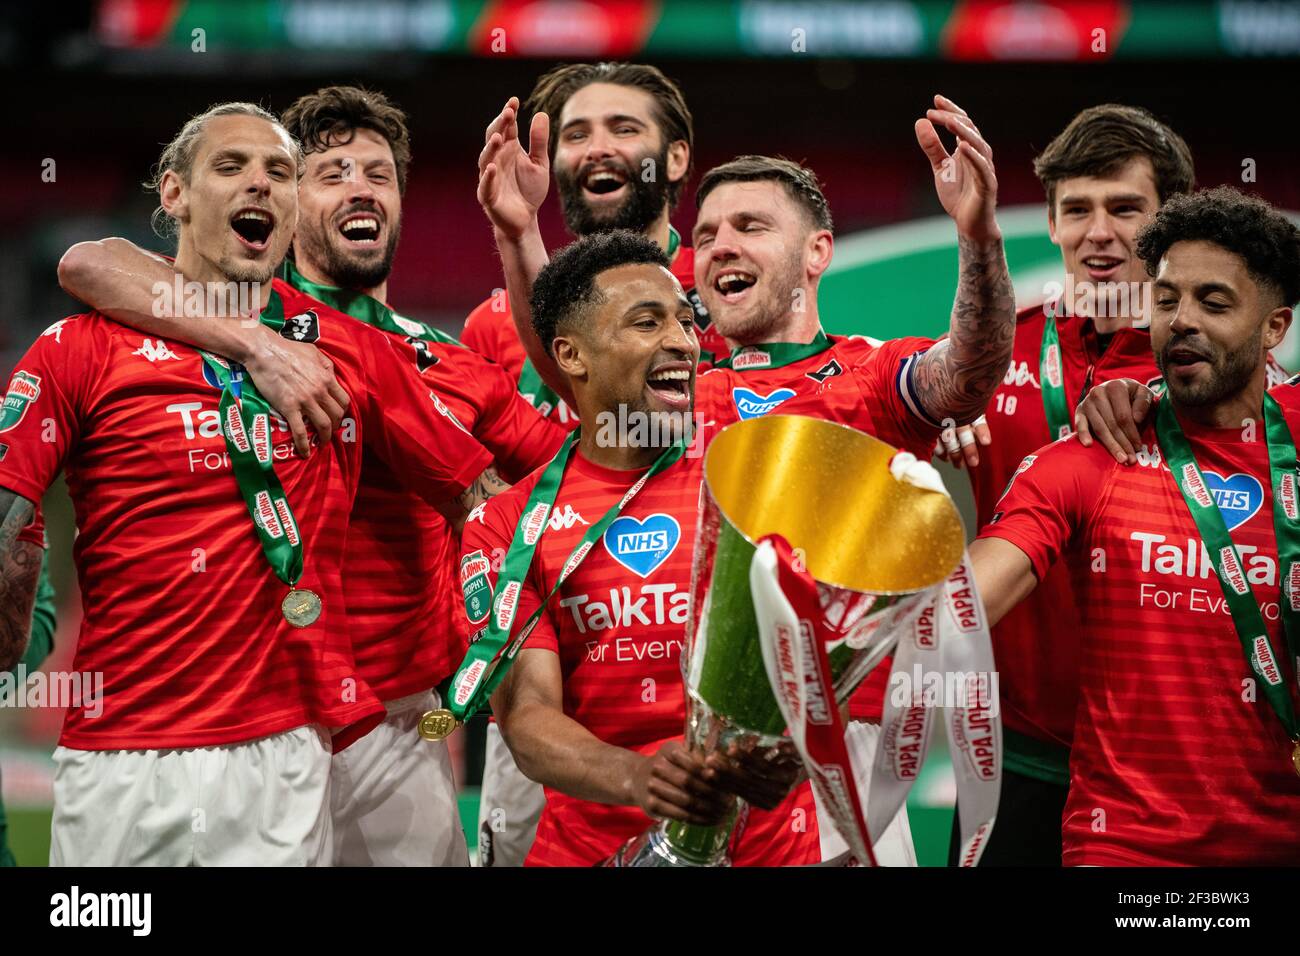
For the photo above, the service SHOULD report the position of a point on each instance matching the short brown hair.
(799, 181)
(673, 117)
(332, 115)
(1103, 138)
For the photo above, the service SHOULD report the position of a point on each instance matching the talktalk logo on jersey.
(24, 388)
(750, 358)
(1264, 661)
(535, 522)
(1230, 568)
(1194, 487)
(651, 604)
(1286, 495)
(642, 544)
(1238, 496)
(750, 404)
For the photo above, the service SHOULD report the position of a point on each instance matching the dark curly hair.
(1263, 237)
(566, 290)
(799, 181)
(332, 115)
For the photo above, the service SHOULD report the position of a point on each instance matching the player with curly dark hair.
(1186, 744)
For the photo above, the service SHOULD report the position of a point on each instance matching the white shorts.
(260, 803)
(509, 807)
(393, 797)
(895, 847)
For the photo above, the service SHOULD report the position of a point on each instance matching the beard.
(347, 268)
(644, 203)
(1230, 372)
(768, 314)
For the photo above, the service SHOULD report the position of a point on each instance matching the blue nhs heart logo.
(642, 544)
(1238, 496)
(750, 404)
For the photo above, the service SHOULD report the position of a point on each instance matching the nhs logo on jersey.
(1238, 496)
(750, 404)
(236, 373)
(642, 544)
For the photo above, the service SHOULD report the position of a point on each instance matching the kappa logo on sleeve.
(24, 389)
(304, 327)
(1238, 496)
(750, 404)
(642, 544)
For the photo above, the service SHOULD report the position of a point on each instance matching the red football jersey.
(856, 381)
(181, 609)
(618, 626)
(402, 556)
(1173, 761)
(490, 331)
(1039, 685)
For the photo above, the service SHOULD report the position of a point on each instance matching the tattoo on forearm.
(20, 570)
(957, 378)
(481, 489)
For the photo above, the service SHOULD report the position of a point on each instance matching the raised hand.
(513, 181)
(965, 179)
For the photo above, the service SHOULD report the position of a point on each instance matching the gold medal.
(301, 607)
(438, 724)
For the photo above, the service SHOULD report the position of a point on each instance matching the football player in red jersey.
(1185, 565)
(216, 681)
(622, 143)
(402, 614)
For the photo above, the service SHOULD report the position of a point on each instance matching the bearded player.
(393, 794)
(623, 145)
(1185, 741)
(196, 519)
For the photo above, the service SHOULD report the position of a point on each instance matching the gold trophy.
(873, 543)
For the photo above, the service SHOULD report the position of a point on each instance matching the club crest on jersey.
(1230, 569)
(424, 359)
(829, 370)
(304, 327)
(750, 358)
(1238, 496)
(750, 404)
(1194, 487)
(642, 545)
(1264, 662)
(474, 586)
(24, 388)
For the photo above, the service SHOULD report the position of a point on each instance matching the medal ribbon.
(781, 353)
(366, 308)
(1246, 617)
(246, 425)
(486, 665)
(1051, 378)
